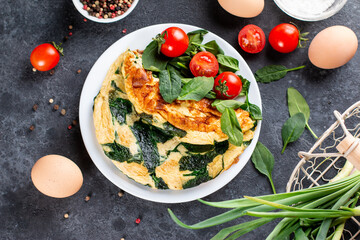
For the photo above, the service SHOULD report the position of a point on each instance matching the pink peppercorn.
(124, 31)
(69, 127)
(138, 220)
(70, 33)
(85, 20)
(85, 7)
(129, 5)
(112, 7)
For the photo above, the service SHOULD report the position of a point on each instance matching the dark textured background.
(27, 214)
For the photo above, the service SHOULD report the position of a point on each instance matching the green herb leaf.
(296, 104)
(221, 105)
(245, 86)
(264, 162)
(169, 84)
(152, 60)
(293, 129)
(213, 47)
(197, 88)
(273, 73)
(231, 127)
(211, 95)
(227, 63)
(195, 37)
(254, 110)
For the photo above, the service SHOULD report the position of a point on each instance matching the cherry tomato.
(176, 42)
(45, 57)
(204, 64)
(252, 39)
(227, 85)
(284, 37)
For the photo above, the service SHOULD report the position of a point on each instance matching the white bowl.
(139, 40)
(80, 7)
(309, 13)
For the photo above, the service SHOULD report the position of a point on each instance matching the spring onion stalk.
(310, 212)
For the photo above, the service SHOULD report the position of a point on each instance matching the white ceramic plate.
(79, 6)
(138, 40)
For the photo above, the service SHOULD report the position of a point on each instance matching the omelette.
(162, 145)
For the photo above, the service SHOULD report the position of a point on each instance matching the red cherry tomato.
(227, 85)
(252, 39)
(284, 37)
(204, 64)
(176, 42)
(44, 57)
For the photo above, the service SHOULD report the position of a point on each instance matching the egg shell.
(56, 176)
(243, 8)
(333, 47)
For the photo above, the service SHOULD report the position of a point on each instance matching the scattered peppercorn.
(32, 127)
(78, 71)
(87, 198)
(66, 215)
(124, 30)
(52, 72)
(35, 107)
(137, 221)
(106, 8)
(69, 127)
(56, 107)
(121, 193)
(51, 100)
(63, 112)
(70, 33)
(85, 20)
(66, 38)
(70, 27)
(34, 69)
(74, 122)
(122, 239)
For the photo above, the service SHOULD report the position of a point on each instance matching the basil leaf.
(231, 127)
(169, 84)
(195, 37)
(197, 88)
(152, 60)
(296, 104)
(293, 129)
(273, 73)
(221, 105)
(263, 161)
(213, 47)
(245, 86)
(227, 63)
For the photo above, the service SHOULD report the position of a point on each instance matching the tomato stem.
(58, 48)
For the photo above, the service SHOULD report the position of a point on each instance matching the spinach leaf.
(221, 105)
(231, 127)
(168, 127)
(197, 88)
(293, 129)
(169, 84)
(120, 153)
(119, 108)
(273, 73)
(263, 161)
(254, 110)
(227, 63)
(245, 86)
(152, 60)
(211, 95)
(113, 84)
(195, 37)
(213, 47)
(195, 148)
(159, 182)
(296, 104)
(117, 71)
(200, 177)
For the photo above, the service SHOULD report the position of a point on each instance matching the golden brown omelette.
(163, 145)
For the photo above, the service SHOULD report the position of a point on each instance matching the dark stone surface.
(27, 214)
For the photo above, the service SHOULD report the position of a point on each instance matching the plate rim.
(222, 180)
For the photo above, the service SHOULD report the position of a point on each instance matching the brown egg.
(243, 8)
(333, 47)
(56, 176)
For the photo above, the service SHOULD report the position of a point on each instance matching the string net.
(323, 162)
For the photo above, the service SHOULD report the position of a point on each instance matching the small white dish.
(80, 7)
(312, 10)
(139, 40)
